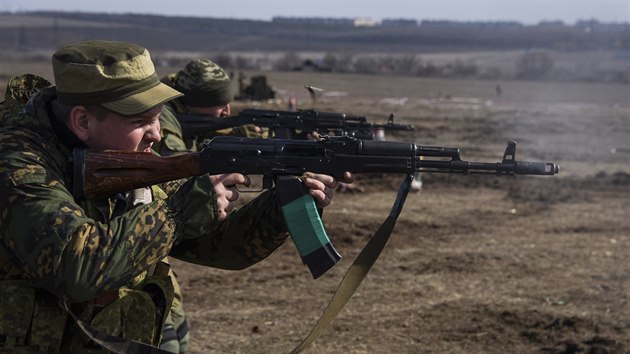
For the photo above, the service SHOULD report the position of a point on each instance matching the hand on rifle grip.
(322, 187)
(313, 136)
(226, 191)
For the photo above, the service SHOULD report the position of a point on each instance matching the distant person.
(497, 88)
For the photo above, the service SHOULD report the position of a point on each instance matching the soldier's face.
(130, 133)
(216, 111)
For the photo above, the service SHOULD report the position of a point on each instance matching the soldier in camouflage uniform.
(207, 91)
(71, 267)
(175, 334)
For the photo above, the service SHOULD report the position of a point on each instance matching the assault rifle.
(104, 173)
(288, 124)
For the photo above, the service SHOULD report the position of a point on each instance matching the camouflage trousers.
(175, 333)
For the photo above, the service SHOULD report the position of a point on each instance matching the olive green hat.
(204, 84)
(117, 75)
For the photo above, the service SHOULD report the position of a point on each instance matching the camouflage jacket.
(81, 251)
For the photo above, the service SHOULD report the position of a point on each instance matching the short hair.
(62, 111)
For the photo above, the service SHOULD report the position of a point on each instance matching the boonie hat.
(204, 84)
(117, 75)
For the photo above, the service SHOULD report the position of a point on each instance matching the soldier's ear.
(78, 122)
(228, 110)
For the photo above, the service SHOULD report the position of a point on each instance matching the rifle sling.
(359, 268)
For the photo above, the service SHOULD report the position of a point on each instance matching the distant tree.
(396, 64)
(224, 60)
(490, 73)
(463, 68)
(290, 61)
(428, 69)
(330, 61)
(533, 65)
(366, 65)
(243, 63)
(344, 63)
(404, 65)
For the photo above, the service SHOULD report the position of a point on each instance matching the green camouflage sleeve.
(172, 142)
(249, 234)
(51, 240)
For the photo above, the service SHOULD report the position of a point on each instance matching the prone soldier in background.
(79, 276)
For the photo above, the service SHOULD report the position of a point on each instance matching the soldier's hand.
(318, 136)
(313, 136)
(322, 187)
(226, 193)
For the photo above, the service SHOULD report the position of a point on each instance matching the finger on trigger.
(248, 181)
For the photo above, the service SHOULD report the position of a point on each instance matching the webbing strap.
(359, 268)
(113, 343)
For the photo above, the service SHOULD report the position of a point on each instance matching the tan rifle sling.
(359, 268)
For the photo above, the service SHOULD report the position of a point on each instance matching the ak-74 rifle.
(289, 124)
(104, 173)
(98, 174)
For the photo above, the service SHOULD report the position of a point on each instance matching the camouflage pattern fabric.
(173, 142)
(175, 332)
(200, 74)
(131, 316)
(24, 309)
(84, 250)
(204, 84)
(19, 89)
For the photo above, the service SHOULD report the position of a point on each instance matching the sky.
(523, 11)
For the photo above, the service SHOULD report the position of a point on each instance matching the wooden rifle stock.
(103, 173)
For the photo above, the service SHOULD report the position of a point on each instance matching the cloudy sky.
(524, 11)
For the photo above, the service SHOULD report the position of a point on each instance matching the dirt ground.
(476, 264)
